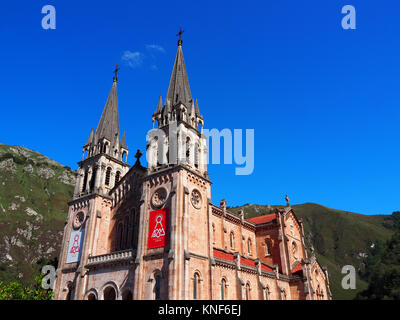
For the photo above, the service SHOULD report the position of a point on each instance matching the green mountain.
(34, 191)
(338, 237)
(382, 267)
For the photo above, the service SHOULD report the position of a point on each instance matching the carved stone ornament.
(159, 197)
(78, 220)
(195, 198)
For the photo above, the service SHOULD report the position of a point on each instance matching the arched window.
(187, 149)
(195, 286)
(294, 249)
(91, 296)
(291, 228)
(223, 289)
(131, 239)
(105, 147)
(267, 293)
(70, 292)
(109, 293)
(93, 180)
(85, 177)
(126, 233)
(157, 157)
(213, 233)
(247, 291)
(120, 231)
(117, 176)
(108, 175)
(196, 155)
(157, 285)
(267, 247)
(232, 238)
(249, 246)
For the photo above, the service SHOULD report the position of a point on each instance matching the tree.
(15, 291)
(382, 267)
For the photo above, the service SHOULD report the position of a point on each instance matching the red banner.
(158, 228)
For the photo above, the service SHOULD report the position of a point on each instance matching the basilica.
(150, 231)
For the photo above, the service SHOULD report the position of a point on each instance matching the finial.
(223, 204)
(287, 201)
(179, 34)
(115, 79)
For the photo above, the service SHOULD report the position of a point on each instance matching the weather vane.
(116, 71)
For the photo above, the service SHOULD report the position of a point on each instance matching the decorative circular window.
(159, 197)
(196, 199)
(78, 220)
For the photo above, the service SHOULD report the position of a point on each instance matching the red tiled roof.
(262, 219)
(223, 255)
(247, 262)
(266, 268)
(297, 268)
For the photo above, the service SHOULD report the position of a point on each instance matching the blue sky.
(323, 101)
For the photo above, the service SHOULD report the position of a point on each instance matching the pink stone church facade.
(136, 232)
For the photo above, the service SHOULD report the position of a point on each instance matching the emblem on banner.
(75, 245)
(159, 228)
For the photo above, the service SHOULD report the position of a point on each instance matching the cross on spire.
(138, 155)
(179, 34)
(115, 72)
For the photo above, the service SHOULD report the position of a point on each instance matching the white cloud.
(135, 59)
(132, 59)
(155, 47)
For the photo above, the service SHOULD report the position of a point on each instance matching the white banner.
(75, 245)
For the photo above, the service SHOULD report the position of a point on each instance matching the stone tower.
(104, 154)
(179, 140)
(177, 186)
(103, 165)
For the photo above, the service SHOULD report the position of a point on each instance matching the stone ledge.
(118, 256)
(225, 263)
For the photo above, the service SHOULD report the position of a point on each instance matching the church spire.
(108, 127)
(197, 110)
(178, 105)
(123, 141)
(179, 89)
(90, 140)
(106, 138)
(159, 106)
(181, 114)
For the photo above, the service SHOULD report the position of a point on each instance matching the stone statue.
(287, 201)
